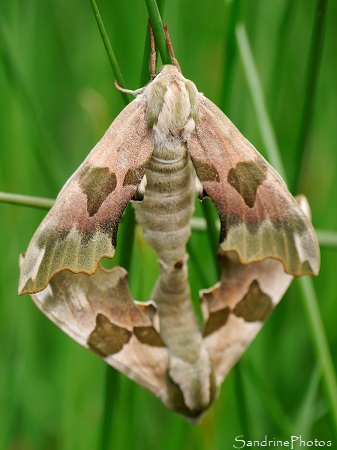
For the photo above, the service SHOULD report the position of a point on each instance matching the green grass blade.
(315, 55)
(242, 400)
(26, 200)
(315, 322)
(257, 95)
(230, 55)
(307, 411)
(109, 50)
(272, 404)
(158, 30)
(111, 390)
(327, 238)
(145, 74)
(280, 51)
(126, 243)
(19, 79)
(308, 293)
(212, 229)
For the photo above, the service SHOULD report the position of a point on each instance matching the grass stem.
(315, 322)
(110, 52)
(307, 289)
(316, 48)
(256, 92)
(145, 74)
(158, 30)
(26, 200)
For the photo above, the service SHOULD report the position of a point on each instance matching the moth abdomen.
(165, 217)
(168, 204)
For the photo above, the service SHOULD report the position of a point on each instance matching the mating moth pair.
(168, 145)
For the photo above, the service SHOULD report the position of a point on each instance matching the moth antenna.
(170, 48)
(129, 91)
(153, 56)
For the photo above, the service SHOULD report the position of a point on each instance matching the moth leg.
(170, 48)
(129, 91)
(199, 189)
(139, 194)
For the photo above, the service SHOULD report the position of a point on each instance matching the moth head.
(168, 70)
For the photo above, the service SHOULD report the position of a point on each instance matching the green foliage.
(57, 99)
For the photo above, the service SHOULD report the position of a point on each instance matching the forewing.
(81, 227)
(259, 217)
(98, 312)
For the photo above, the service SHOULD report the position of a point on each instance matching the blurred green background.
(57, 99)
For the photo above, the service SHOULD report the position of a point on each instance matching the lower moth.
(168, 145)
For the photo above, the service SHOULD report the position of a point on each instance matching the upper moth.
(168, 145)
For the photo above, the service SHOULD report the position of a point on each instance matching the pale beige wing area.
(236, 308)
(98, 312)
(81, 227)
(259, 217)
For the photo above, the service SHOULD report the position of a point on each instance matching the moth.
(168, 145)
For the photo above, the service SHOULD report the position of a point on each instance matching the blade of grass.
(321, 345)
(26, 200)
(158, 30)
(199, 267)
(241, 397)
(308, 293)
(307, 411)
(111, 391)
(230, 54)
(259, 103)
(145, 74)
(279, 55)
(109, 50)
(212, 230)
(327, 238)
(127, 239)
(272, 403)
(19, 78)
(315, 55)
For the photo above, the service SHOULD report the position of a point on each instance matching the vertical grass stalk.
(321, 345)
(308, 293)
(145, 74)
(157, 25)
(259, 103)
(230, 55)
(109, 51)
(316, 48)
(111, 375)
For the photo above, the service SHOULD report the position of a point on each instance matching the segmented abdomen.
(165, 215)
(168, 204)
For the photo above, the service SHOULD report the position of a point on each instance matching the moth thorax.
(174, 121)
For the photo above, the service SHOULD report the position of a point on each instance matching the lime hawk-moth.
(168, 145)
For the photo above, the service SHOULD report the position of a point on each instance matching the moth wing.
(81, 227)
(259, 217)
(98, 312)
(235, 309)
